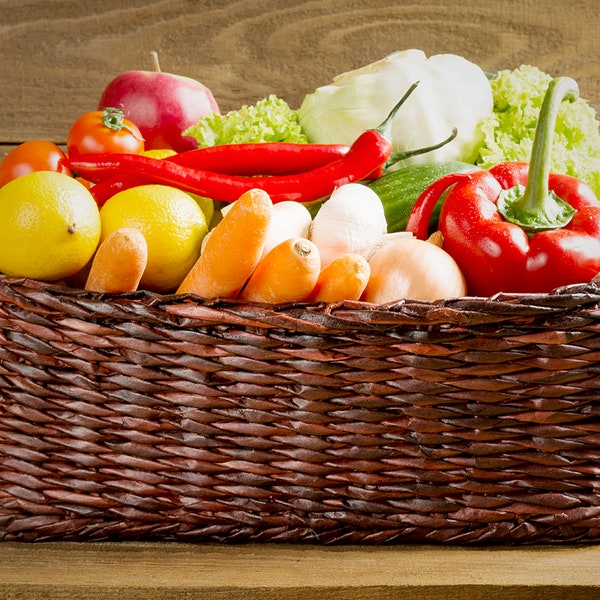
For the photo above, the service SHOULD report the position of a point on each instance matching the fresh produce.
(233, 249)
(407, 267)
(262, 158)
(100, 131)
(453, 93)
(368, 152)
(287, 273)
(269, 120)
(162, 105)
(119, 262)
(352, 220)
(399, 190)
(259, 213)
(171, 222)
(510, 129)
(49, 226)
(35, 155)
(516, 227)
(344, 278)
(289, 219)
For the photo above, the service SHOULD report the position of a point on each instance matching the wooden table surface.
(149, 571)
(56, 57)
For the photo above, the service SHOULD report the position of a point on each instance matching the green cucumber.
(399, 190)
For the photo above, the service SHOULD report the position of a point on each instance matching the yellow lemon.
(49, 226)
(159, 153)
(172, 223)
(207, 205)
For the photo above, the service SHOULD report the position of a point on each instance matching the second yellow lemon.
(172, 223)
(207, 205)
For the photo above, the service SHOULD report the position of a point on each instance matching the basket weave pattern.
(145, 417)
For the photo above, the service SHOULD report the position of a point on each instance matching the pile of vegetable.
(411, 177)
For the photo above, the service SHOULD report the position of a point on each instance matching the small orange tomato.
(104, 130)
(34, 155)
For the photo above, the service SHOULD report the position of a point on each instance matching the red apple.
(162, 105)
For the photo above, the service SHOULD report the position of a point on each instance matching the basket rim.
(28, 295)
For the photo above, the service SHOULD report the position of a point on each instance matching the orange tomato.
(34, 155)
(106, 130)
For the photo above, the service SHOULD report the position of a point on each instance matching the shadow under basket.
(145, 417)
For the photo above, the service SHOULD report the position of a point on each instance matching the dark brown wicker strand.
(470, 421)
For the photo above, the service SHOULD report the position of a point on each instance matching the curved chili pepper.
(264, 158)
(250, 160)
(369, 152)
(367, 155)
(517, 227)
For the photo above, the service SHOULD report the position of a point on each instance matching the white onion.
(410, 268)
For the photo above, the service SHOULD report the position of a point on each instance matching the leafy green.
(509, 131)
(269, 120)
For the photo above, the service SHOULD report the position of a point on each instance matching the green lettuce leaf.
(269, 120)
(509, 131)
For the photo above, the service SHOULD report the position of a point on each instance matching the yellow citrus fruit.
(172, 223)
(207, 205)
(49, 226)
(159, 152)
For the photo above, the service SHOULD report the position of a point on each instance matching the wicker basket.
(145, 417)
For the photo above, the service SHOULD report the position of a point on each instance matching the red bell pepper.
(517, 227)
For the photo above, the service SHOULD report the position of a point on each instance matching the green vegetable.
(508, 133)
(399, 190)
(452, 93)
(269, 120)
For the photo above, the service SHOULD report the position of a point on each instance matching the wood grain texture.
(56, 57)
(264, 572)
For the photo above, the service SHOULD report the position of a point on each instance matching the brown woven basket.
(469, 421)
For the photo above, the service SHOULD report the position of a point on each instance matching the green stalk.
(385, 127)
(404, 154)
(534, 207)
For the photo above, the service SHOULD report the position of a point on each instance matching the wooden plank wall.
(57, 56)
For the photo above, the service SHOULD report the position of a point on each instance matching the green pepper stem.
(385, 127)
(536, 190)
(535, 207)
(404, 154)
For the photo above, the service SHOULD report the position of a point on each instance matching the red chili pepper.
(265, 158)
(367, 155)
(517, 227)
(249, 160)
(368, 152)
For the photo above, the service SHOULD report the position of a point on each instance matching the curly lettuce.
(269, 120)
(508, 133)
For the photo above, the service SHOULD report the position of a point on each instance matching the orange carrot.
(287, 273)
(233, 249)
(345, 278)
(119, 262)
